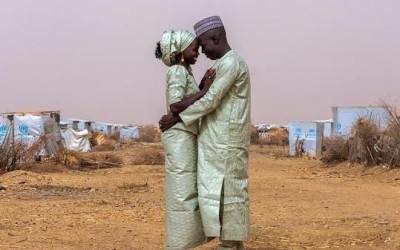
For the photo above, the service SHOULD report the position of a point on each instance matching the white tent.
(129, 132)
(64, 124)
(5, 125)
(76, 140)
(327, 127)
(344, 118)
(102, 127)
(310, 132)
(28, 128)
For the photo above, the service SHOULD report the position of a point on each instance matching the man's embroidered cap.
(208, 23)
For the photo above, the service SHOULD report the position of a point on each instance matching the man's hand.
(207, 79)
(167, 121)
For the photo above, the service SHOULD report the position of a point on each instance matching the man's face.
(208, 46)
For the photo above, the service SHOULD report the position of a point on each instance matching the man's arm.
(176, 91)
(226, 76)
(207, 80)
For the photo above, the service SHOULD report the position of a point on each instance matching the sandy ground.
(295, 204)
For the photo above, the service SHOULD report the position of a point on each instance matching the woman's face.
(191, 53)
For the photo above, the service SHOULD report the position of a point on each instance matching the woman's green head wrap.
(174, 42)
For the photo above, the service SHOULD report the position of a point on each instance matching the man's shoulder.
(233, 58)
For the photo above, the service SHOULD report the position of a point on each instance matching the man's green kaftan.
(223, 144)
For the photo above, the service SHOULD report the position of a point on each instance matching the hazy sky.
(94, 59)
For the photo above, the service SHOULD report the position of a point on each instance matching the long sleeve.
(226, 75)
(176, 84)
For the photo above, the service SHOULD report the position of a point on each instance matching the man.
(223, 140)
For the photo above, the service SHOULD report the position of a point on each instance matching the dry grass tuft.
(135, 187)
(149, 133)
(100, 160)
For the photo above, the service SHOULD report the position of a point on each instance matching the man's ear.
(215, 40)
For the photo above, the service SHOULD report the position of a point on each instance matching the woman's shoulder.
(177, 70)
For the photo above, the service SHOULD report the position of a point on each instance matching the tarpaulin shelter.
(308, 132)
(327, 127)
(29, 127)
(129, 132)
(76, 140)
(344, 118)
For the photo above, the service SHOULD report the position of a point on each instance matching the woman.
(178, 50)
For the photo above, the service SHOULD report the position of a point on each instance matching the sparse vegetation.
(149, 133)
(14, 154)
(335, 150)
(369, 144)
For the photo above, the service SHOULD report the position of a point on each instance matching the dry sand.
(295, 204)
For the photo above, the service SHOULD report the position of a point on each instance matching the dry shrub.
(390, 145)
(96, 138)
(278, 136)
(335, 150)
(365, 135)
(370, 145)
(115, 136)
(272, 136)
(299, 147)
(67, 157)
(254, 136)
(149, 133)
(15, 154)
(102, 142)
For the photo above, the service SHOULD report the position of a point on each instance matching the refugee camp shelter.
(77, 124)
(65, 124)
(309, 134)
(344, 118)
(327, 127)
(5, 125)
(76, 140)
(104, 128)
(75, 134)
(30, 127)
(127, 132)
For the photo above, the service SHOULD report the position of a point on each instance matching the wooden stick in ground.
(370, 154)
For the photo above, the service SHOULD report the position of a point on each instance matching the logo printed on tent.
(297, 132)
(23, 128)
(3, 129)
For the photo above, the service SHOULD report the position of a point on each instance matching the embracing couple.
(206, 136)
